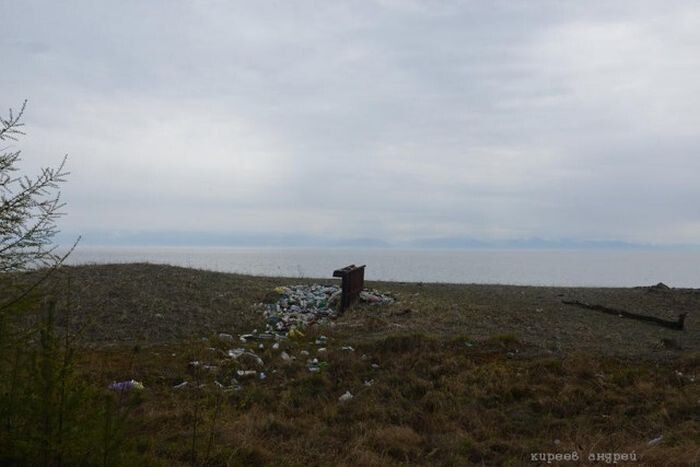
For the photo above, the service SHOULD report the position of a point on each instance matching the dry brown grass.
(432, 402)
(147, 304)
(479, 375)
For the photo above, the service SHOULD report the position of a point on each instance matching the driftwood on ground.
(678, 324)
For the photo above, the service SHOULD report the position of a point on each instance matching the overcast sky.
(391, 119)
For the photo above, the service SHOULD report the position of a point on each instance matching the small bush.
(51, 414)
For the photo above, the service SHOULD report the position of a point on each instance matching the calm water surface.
(566, 268)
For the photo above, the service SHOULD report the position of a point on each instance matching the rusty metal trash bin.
(353, 281)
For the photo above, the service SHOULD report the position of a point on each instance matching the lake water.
(565, 268)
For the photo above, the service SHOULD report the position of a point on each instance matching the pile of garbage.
(301, 305)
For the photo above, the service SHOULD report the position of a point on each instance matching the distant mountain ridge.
(266, 240)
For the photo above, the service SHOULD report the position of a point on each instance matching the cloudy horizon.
(395, 121)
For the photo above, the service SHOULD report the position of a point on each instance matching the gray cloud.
(396, 120)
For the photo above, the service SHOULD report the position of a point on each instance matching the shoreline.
(378, 281)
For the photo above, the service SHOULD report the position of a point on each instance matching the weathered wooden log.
(677, 325)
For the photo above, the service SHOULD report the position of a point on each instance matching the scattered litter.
(655, 440)
(203, 366)
(315, 366)
(235, 353)
(296, 307)
(690, 378)
(376, 297)
(123, 386)
(258, 360)
(235, 385)
(368, 297)
(238, 353)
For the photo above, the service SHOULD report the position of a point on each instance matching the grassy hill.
(447, 375)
